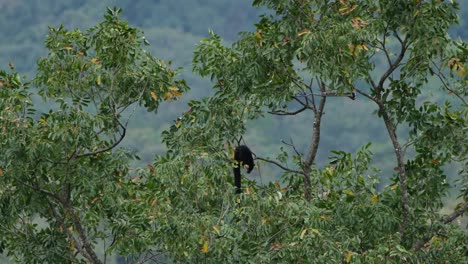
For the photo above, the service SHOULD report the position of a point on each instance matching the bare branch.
(283, 113)
(394, 65)
(292, 145)
(384, 48)
(280, 166)
(364, 94)
(300, 102)
(122, 135)
(444, 81)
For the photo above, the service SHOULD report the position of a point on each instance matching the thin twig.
(444, 81)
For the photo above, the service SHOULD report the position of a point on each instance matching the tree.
(392, 53)
(63, 182)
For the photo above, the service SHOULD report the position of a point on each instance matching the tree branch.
(364, 94)
(391, 130)
(122, 135)
(283, 113)
(314, 143)
(61, 221)
(394, 65)
(444, 220)
(280, 166)
(88, 251)
(443, 80)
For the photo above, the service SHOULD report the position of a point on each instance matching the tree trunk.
(313, 147)
(401, 171)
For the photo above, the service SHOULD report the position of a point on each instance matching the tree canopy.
(69, 194)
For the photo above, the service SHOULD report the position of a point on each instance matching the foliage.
(58, 167)
(62, 168)
(310, 50)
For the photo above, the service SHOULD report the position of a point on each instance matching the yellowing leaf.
(42, 120)
(258, 35)
(178, 123)
(231, 151)
(167, 96)
(182, 180)
(154, 96)
(462, 72)
(453, 62)
(176, 93)
(363, 47)
(153, 203)
(346, 10)
(303, 32)
(276, 246)
(303, 233)
(173, 92)
(277, 185)
(343, 9)
(348, 192)
(69, 47)
(135, 179)
(205, 247)
(358, 23)
(94, 200)
(375, 198)
(98, 81)
(216, 229)
(315, 231)
(394, 186)
(348, 256)
(72, 246)
(151, 168)
(95, 61)
(343, 2)
(1, 172)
